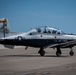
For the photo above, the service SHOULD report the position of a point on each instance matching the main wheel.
(58, 54)
(42, 53)
(71, 53)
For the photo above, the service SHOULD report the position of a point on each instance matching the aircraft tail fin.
(4, 28)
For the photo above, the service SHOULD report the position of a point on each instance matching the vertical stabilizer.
(4, 28)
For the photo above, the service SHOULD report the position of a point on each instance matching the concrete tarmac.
(28, 62)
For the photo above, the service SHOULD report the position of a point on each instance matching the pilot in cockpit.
(39, 30)
(45, 30)
(49, 31)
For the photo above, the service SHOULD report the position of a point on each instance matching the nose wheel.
(71, 52)
(41, 52)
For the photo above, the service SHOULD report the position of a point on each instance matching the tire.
(71, 53)
(58, 54)
(42, 53)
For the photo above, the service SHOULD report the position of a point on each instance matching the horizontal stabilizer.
(9, 46)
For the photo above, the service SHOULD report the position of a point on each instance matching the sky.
(23, 15)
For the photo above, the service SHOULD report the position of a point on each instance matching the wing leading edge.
(62, 45)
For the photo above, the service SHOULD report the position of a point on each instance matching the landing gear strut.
(41, 52)
(58, 52)
(71, 52)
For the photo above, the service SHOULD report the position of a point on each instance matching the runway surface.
(28, 62)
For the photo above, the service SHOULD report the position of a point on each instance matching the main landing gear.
(58, 52)
(71, 52)
(41, 52)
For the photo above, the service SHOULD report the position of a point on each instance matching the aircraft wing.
(62, 45)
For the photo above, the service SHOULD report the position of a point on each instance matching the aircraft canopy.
(47, 29)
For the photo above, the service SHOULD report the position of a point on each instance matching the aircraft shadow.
(33, 56)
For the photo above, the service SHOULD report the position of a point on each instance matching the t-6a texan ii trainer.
(42, 37)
